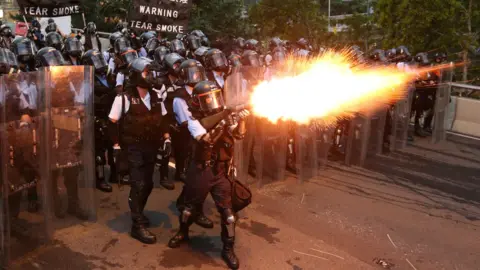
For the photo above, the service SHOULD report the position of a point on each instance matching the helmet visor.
(53, 58)
(121, 44)
(194, 43)
(219, 61)
(211, 101)
(129, 56)
(252, 60)
(194, 75)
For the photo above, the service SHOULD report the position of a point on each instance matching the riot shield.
(401, 120)
(236, 94)
(47, 154)
(441, 106)
(272, 151)
(365, 136)
(306, 153)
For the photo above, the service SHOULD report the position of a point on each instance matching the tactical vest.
(179, 93)
(103, 99)
(140, 124)
(222, 150)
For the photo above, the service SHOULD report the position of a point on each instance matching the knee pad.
(228, 216)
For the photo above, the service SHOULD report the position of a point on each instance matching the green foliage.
(217, 18)
(289, 19)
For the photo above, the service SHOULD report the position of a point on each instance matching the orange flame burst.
(326, 88)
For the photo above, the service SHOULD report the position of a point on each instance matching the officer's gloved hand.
(243, 114)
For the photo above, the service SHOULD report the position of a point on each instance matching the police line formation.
(148, 89)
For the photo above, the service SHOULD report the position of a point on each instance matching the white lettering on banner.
(180, 1)
(170, 28)
(141, 25)
(36, 11)
(159, 11)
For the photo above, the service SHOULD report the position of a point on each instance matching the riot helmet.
(200, 53)
(152, 45)
(91, 28)
(128, 55)
(208, 98)
(180, 36)
(198, 33)
(114, 37)
(36, 24)
(235, 60)
(216, 60)
(250, 58)
(303, 44)
(251, 44)
(49, 57)
(239, 43)
(422, 59)
(160, 53)
(73, 47)
(275, 43)
(177, 46)
(403, 54)
(50, 20)
(5, 31)
(378, 55)
(440, 57)
(54, 40)
(173, 62)
(139, 70)
(51, 27)
(24, 48)
(8, 61)
(193, 42)
(357, 55)
(391, 55)
(120, 44)
(145, 37)
(120, 26)
(191, 72)
(95, 59)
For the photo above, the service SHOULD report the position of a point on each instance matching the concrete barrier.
(467, 116)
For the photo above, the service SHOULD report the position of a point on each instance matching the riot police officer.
(25, 51)
(425, 88)
(92, 40)
(151, 46)
(104, 96)
(439, 58)
(177, 46)
(193, 43)
(200, 53)
(159, 55)
(66, 162)
(142, 133)
(190, 72)
(217, 65)
(6, 36)
(109, 54)
(73, 51)
(54, 40)
(303, 48)
(209, 168)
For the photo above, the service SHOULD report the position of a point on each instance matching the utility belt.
(145, 140)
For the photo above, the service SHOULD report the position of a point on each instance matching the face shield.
(152, 44)
(25, 51)
(121, 44)
(218, 62)
(128, 56)
(252, 60)
(54, 40)
(99, 63)
(278, 58)
(211, 101)
(193, 75)
(178, 47)
(193, 43)
(53, 58)
(74, 47)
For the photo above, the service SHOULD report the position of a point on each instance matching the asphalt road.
(416, 209)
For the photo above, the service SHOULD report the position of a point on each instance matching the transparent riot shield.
(307, 159)
(236, 94)
(48, 177)
(272, 151)
(441, 106)
(401, 120)
(365, 136)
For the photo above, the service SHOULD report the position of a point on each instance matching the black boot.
(182, 235)
(202, 220)
(228, 239)
(103, 185)
(140, 232)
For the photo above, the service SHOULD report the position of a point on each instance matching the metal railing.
(465, 90)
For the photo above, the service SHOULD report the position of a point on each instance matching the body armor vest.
(140, 124)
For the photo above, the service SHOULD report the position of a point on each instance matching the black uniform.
(208, 171)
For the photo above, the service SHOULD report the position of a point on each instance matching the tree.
(430, 25)
(289, 19)
(217, 18)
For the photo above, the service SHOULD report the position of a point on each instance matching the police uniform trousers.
(70, 180)
(141, 161)
(202, 180)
